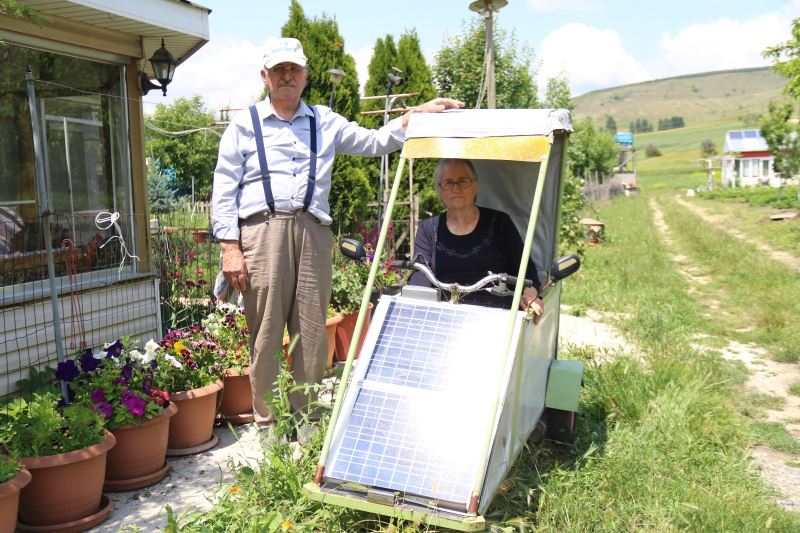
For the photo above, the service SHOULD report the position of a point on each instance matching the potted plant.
(189, 368)
(227, 326)
(13, 478)
(348, 282)
(64, 449)
(121, 383)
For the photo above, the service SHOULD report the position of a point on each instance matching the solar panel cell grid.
(420, 412)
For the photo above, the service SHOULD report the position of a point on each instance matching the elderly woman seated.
(467, 241)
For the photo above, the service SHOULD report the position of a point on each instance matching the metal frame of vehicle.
(506, 147)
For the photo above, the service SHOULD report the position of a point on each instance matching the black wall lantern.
(163, 67)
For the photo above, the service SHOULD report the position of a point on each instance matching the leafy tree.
(786, 57)
(590, 151)
(15, 9)
(458, 68)
(611, 125)
(783, 139)
(324, 48)
(187, 155)
(707, 148)
(557, 94)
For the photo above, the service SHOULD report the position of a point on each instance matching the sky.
(596, 43)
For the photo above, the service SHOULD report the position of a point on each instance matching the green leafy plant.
(9, 468)
(120, 382)
(228, 327)
(38, 427)
(349, 279)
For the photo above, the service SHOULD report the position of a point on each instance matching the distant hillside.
(739, 95)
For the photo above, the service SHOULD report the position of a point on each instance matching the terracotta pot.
(200, 235)
(9, 500)
(331, 325)
(64, 488)
(345, 330)
(236, 406)
(192, 429)
(138, 460)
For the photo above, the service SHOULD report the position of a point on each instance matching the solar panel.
(419, 407)
(735, 134)
(751, 134)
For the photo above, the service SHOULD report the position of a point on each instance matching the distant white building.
(747, 160)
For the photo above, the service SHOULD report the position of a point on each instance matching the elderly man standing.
(270, 212)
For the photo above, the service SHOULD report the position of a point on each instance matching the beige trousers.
(289, 263)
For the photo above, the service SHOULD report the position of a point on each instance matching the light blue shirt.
(238, 191)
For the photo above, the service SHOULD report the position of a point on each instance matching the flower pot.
(200, 235)
(138, 459)
(9, 500)
(237, 397)
(331, 325)
(192, 429)
(66, 489)
(345, 330)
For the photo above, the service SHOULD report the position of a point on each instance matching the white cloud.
(541, 6)
(225, 72)
(590, 57)
(362, 57)
(720, 45)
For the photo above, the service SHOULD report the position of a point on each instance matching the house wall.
(27, 334)
(95, 313)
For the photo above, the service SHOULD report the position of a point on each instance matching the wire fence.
(100, 291)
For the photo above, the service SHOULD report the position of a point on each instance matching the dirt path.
(765, 375)
(722, 223)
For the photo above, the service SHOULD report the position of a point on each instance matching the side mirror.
(565, 267)
(353, 249)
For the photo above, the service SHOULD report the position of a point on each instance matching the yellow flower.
(179, 347)
(234, 489)
(286, 525)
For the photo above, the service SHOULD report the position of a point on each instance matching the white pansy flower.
(173, 361)
(100, 355)
(151, 346)
(137, 355)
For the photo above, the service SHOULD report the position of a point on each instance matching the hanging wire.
(105, 220)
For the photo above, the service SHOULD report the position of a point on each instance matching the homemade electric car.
(445, 395)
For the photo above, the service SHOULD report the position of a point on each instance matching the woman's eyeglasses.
(463, 183)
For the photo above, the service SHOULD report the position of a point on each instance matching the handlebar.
(456, 289)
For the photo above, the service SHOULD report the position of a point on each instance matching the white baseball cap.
(284, 50)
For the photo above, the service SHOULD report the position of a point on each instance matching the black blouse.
(493, 246)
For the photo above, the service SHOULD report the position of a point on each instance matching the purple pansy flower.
(67, 370)
(114, 349)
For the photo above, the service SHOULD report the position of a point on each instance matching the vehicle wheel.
(561, 425)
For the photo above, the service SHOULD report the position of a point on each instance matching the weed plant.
(756, 196)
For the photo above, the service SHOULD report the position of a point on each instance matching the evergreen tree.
(611, 125)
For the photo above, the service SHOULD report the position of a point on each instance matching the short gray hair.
(437, 173)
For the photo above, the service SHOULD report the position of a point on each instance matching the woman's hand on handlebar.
(530, 300)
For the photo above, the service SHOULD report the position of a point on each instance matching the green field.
(739, 95)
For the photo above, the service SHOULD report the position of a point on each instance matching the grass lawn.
(661, 445)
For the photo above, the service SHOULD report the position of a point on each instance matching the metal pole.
(45, 213)
(333, 94)
(491, 104)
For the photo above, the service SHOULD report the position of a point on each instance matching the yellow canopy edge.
(528, 148)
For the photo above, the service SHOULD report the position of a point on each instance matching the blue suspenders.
(262, 160)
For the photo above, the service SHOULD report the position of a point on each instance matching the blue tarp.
(624, 138)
